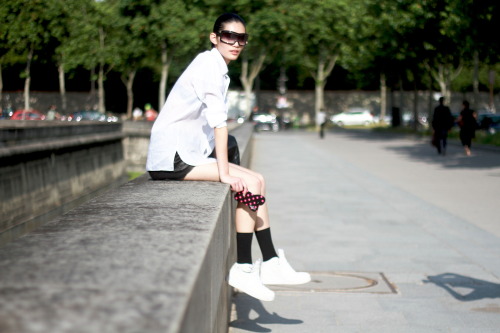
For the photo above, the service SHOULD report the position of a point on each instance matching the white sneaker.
(278, 271)
(246, 278)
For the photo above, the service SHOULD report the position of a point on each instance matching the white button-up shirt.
(194, 107)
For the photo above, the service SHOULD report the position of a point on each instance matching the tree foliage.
(406, 41)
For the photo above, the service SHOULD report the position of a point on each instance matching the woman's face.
(229, 52)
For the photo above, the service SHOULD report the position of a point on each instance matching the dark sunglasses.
(229, 37)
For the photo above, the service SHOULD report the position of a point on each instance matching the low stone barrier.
(46, 165)
(148, 256)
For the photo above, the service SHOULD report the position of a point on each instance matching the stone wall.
(136, 143)
(45, 165)
(42, 100)
(147, 256)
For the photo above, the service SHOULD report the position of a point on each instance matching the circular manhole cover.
(331, 282)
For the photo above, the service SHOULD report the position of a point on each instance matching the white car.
(353, 117)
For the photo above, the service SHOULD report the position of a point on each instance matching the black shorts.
(181, 169)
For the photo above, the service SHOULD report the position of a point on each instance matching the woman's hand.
(237, 184)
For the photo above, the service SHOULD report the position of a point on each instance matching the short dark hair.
(226, 18)
(466, 104)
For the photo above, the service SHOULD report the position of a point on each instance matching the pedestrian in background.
(150, 113)
(467, 121)
(321, 122)
(442, 121)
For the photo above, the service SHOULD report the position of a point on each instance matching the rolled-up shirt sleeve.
(211, 90)
(215, 112)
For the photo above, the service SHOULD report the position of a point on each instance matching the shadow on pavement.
(422, 151)
(244, 304)
(464, 288)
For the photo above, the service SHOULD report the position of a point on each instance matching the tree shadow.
(464, 288)
(421, 150)
(244, 304)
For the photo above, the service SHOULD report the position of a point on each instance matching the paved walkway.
(398, 238)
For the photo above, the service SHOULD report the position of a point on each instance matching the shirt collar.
(220, 60)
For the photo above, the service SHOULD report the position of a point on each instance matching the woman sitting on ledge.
(191, 124)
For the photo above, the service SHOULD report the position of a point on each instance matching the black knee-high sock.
(244, 247)
(266, 244)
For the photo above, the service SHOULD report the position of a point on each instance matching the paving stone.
(353, 203)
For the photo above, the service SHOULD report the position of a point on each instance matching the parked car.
(489, 122)
(265, 122)
(87, 115)
(354, 116)
(27, 115)
(91, 115)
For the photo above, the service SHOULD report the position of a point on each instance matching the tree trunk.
(475, 79)
(415, 104)
(415, 109)
(100, 79)
(430, 100)
(247, 78)
(319, 97)
(27, 81)
(401, 95)
(491, 82)
(92, 84)
(383, 97)
(1, 86)
(100, 90)
(128, 81)
(165, 65)
(391, 98)
(444, 75)
(430, 104)
(62, 87)
(323, 70)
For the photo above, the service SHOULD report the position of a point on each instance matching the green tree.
(172, 28)
(59, 30)
(94, 41)
(383, 45)
(27, 33)
(267, 26)
(320, 29)
(4, 47)
(473, 23)
(133, 50)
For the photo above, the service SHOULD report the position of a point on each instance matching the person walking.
(189, 141)
(467, 121)
(321, 122)
(442, 121)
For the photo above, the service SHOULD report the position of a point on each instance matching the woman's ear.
(213, 38)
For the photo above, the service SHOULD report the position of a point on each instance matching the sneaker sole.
(254, 295)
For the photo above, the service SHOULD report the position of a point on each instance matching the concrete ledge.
(149, 256)
(46, 165)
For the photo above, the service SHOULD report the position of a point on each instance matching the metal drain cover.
(324, 282)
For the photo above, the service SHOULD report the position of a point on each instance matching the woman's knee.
(260, 183)
(254, 180)
(255, 183)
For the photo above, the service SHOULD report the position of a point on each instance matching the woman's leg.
(247, 221)
(275, 268)
(242, 275)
